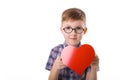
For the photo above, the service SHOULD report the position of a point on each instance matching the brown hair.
(73, 14)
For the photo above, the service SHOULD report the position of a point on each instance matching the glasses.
(78, 30)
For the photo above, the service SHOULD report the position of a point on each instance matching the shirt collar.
(65, 44)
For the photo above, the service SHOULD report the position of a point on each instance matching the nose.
(73, 31)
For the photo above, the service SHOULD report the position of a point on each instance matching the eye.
(79, 28)
(68, 27)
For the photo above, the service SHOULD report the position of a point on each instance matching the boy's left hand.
(95, 61)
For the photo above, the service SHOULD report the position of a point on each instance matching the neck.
(67, 44)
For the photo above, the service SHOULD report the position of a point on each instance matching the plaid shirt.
(65, 73)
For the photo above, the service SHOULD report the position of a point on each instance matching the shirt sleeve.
(89, 68)
(51, 60)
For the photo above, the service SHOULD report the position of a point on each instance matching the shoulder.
(59, 46)
(57, 50)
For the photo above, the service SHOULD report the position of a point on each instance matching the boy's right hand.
(58, 64)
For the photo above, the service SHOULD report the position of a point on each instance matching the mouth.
(73, 38)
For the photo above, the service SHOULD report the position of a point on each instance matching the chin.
(73, 44)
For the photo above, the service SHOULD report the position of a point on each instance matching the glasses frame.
(73, 29)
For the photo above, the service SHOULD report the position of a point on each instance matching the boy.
(73, 27)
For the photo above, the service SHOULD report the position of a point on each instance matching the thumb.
(59, 58)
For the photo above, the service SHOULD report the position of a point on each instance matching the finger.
(96, 55)
(63, 66)
(96, 59)
(95, 62)
(59, 58)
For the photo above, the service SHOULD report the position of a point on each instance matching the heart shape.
(78, 59)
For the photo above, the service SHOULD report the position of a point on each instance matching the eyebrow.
(76, 26)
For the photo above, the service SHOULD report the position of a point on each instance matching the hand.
(95, 61)
(58, 64)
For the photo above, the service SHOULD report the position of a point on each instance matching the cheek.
(66, 36)
(79, 37)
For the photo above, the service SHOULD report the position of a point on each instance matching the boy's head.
(73, 14)
(73, 25)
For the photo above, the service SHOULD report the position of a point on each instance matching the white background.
(30, 28)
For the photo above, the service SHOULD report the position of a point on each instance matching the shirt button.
(71, 72)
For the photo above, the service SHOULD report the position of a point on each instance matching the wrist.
(55, 68)
(95, 68)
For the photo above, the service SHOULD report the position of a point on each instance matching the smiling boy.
(73, 27)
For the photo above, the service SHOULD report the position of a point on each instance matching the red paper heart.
(78, 59)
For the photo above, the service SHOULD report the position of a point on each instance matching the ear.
(61, 29)
(85, 30)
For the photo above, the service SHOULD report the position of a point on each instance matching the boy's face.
(73, 30)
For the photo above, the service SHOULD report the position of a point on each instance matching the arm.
(56, 68)
(53, 74)
(92, 75)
